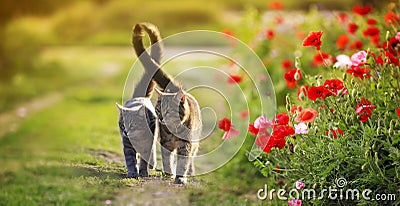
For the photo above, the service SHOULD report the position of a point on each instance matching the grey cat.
(138, 124)
(178, 112)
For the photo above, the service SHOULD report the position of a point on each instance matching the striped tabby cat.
(178, 112)
(138, 124)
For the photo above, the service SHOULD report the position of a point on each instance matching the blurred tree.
(20, 48)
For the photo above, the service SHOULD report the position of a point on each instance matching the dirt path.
(10, 120)
(153, 190)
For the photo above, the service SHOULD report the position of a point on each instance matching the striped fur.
(178, 111)
(138, 124)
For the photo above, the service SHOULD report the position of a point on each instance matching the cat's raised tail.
(152, 63)
(146, 85)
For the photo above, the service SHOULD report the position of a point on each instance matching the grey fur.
(180, 125)
(139, 132)
(178, 111)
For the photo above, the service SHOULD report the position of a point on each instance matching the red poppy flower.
(342, 17)
(234, 79)
(392, 59)
(277, 139)
(334, 86)
(352, 28)
(252, 129)
(334, 132)
(295, 108)
(292, 77)
(371, 21)
(371, 31)
(306, 115)
(277, 168)
(359, 72)
(391, 46)
(375, 40)
(320, 58)
(379, 59)
(269, 34)
(274, 141)
(391, 18)
(362, 10)
(300, 34)
(357, 45)
(286, 64)
(228, 32)
(302, 92)
(282, 131)
(224, 124)
(278, 20)
(317, 92)
(281, 119)
(243, 114)
(398, 112)
(313, 39)
(342, 41)
(275, 5)
(364, 108)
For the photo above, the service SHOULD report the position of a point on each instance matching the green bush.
(356, 133)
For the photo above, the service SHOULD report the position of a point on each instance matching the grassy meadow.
(62, 68)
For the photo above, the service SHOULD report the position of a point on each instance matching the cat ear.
(181, 95)
(119, 107)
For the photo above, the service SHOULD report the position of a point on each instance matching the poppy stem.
(323, 59)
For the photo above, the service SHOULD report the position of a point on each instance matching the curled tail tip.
(138, 30)
(152, 30)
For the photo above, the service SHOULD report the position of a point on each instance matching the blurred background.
(41, 38)
(63, 65)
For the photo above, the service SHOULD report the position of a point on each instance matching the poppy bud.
(297, 62)
(344, 76)
(363, 166)
(354, 93)
(390, 132)
(387, 35)
(353, 82)
(287, 99)
(391, 124)
(376, 158)
(378, 130)
(301, 96)
(366, 154)
(379, 85)
(297, 75)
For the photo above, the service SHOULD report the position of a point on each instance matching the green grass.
(46, 161)
(71, 154)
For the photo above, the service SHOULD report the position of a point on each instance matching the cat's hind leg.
(183, 153)
(166, 161)
(191, 170)
(153, 157)
(143, 167)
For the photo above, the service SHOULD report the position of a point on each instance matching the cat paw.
(132, 175)
(143, 173)
(167, 175)
(180, 180)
